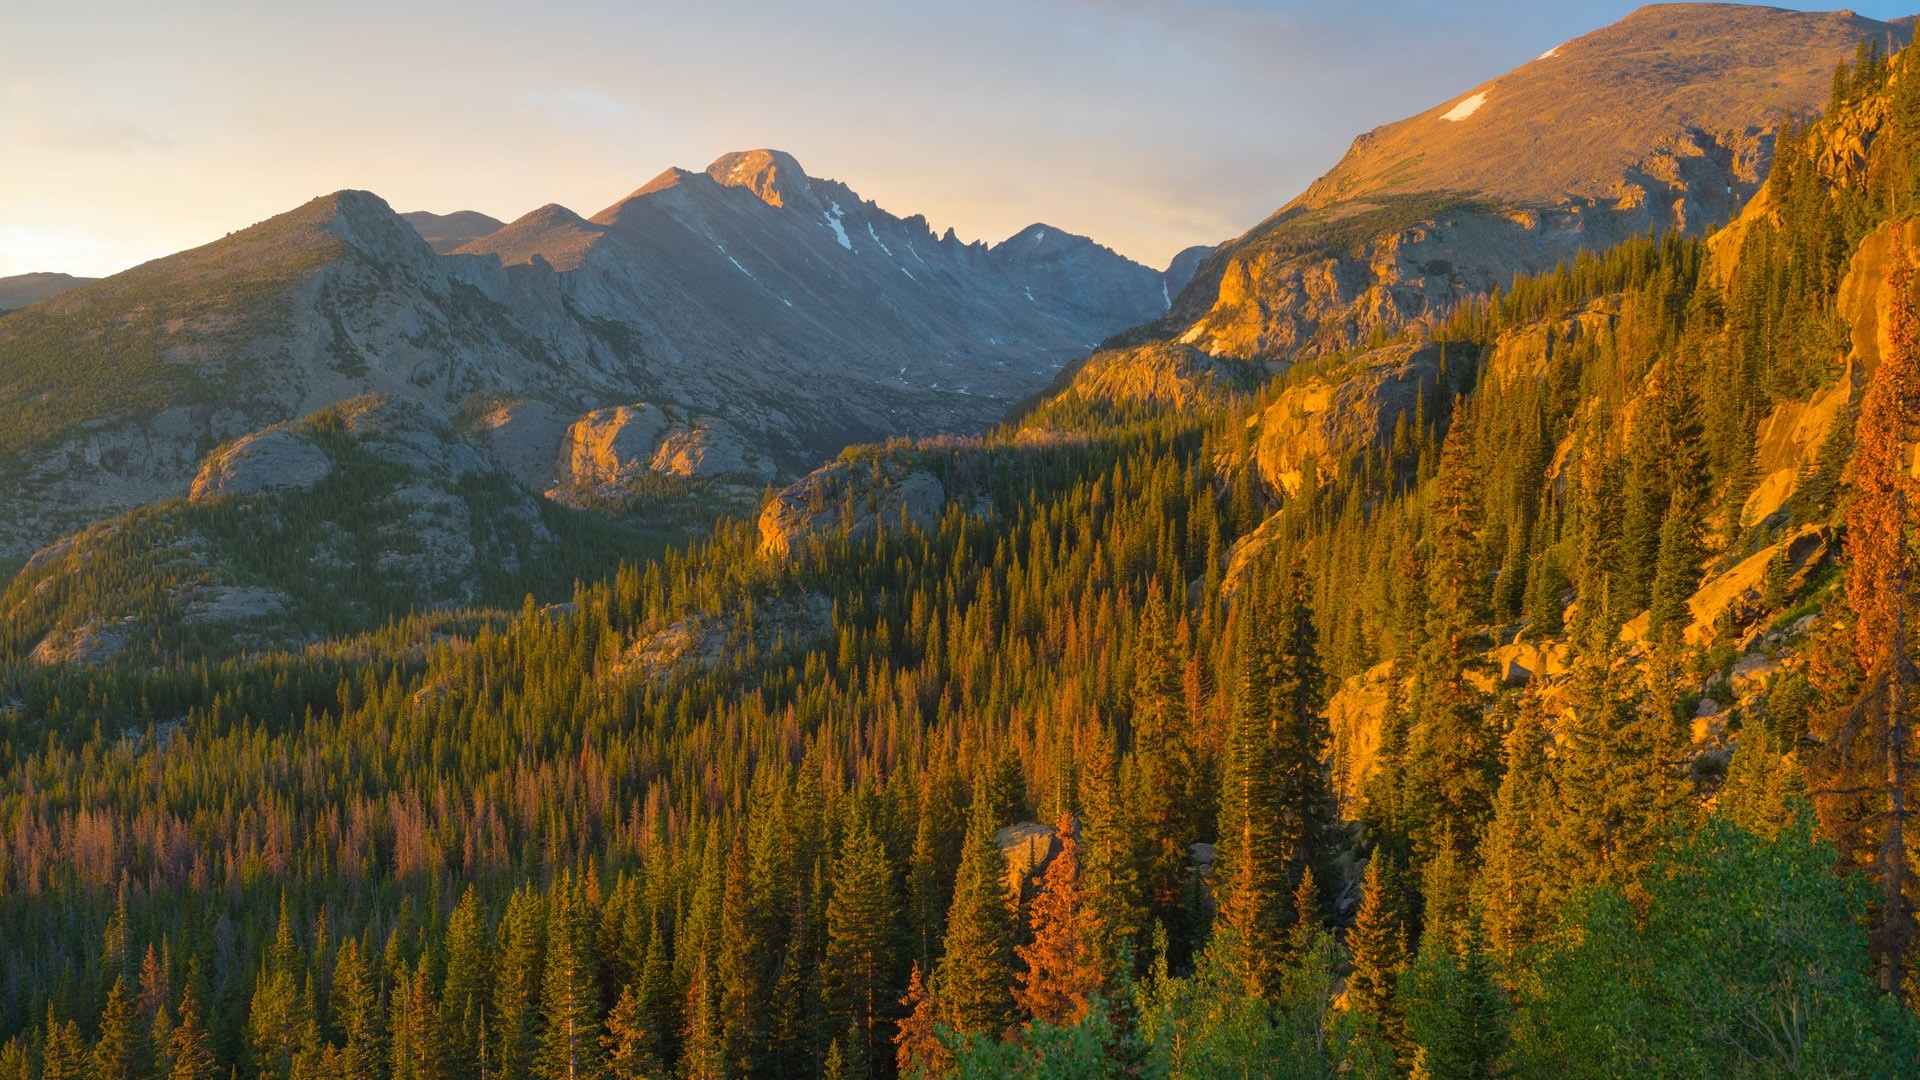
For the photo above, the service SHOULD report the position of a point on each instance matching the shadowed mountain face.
(445, 232)
(780, 316)
(1664, 120)
(22, 289)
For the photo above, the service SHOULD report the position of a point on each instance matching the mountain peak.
(773, 175)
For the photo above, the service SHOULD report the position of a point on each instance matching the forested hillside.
(1524, 694)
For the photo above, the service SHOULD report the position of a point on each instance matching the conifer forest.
(1156, 750)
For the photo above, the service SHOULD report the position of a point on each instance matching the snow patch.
(1549, 54)
(882, 243)
(1165, 297)
(742, 269)
(1030, 294)
(833, 217)
(1039, 235)
(1467, 107)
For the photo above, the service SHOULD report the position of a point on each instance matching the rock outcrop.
(608, 450)
(856, 497)
(1317, 426)
(277, 459)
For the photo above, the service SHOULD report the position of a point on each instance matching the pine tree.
(190, 1047)
(1456, 1017)
(414, 1029)
(569, 991)
(918, 1049)
(356, 1014)
(627, 1041)
(464, 1001)
(1863, 776)
(276, 1018)
(1161, 767)
(1377, 951)
(64, 1055)
(516, 996)
(972, 985)
(120, 1053)
(742, 964)
(1277, 809)
(1511, 888)
(1063, 970)
(1453, 760)
(859, 975)
(1110, 860)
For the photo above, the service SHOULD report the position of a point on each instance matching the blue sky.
(129, 130)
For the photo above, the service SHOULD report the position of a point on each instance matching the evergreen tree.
(190, 1048)
(1161, 767)
(1110, 870)
(64, 1054)
(464, 996)
(973, 984)
(1511, 890)
(859, 975)
(569, 991)
(628, 1043)
(120, 1053)
(918, 1049)
(1864, 772)
(1377, 951)
(276, 1018)
(516, 997)
(356, 1014)
(1062, 970)
(414, 1028)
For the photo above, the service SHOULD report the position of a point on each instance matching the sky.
(132, 130)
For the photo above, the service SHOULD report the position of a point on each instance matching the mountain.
(1664, 120)
(445, 232)
(22, 289)
(777, 314)
(1523, 692)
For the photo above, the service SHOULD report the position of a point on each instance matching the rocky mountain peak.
(773, 175)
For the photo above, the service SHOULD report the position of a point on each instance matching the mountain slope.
(22, 289)
(445, 232)
(1662, 120)
(771, 303)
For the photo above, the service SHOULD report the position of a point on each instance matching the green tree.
(569, 991)
(859, 977)
(1743, 960)
(973, 984)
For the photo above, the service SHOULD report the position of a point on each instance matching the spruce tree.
(859, 976)
(628, 1043)
(1110, 854)
(1062, 970)
(569, 990)
(918, 1051)
(120, 1053)
(1377, 951)
(516, 989)
(464, 1004)
(973, 984)
(190, 1048)
(1863, 773)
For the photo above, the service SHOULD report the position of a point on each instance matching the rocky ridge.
(777, 316)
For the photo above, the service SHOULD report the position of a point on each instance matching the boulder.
(1028, 847)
